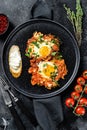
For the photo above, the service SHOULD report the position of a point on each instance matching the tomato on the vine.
(77, 100)
(78, 88)
(69, 102)
(84, 74)
(83, 101)
(75, 95)
(80, 80)
(85, 90)
(80, 110)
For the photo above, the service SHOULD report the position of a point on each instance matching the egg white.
(36, 50)
(42, 65)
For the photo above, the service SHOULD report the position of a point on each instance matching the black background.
(18, 12)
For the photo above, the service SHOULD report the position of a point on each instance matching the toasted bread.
(15, 61)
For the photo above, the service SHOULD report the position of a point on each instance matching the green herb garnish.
(46, 43)
(36, 44)
(40, 38)
(56, 82)
(55, 67)
(59, 57)
(28, 52)
(45, 65)
(53, 75)
(53, 41)
(36, 54)
(53, 53)
(76, 20)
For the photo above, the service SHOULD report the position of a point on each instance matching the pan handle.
(41, 10)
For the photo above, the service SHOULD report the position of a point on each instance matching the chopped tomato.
(78, 88)
(84, 74)
(69, 102)
(55, 47)
(80, 80)
(75, 95)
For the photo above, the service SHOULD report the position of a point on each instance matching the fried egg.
(41, 49)
(47, 69)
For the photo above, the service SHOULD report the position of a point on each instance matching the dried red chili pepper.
(3, 23)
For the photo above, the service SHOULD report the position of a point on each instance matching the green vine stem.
(79, 100)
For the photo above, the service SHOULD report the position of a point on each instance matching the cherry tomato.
(78, 88)
(84, 74)
(75, 95)
(80, 110)
(80, 80)
(69, 102)
(83, 101)
(85, 90)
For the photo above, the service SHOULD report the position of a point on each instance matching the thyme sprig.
(76, 20)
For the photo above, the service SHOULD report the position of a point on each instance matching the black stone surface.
(18, 12)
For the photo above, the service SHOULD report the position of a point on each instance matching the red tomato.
(78, 88)
(85, 90)
(69, 102)
(83, 101)
(80, 110)
(80, 80)
(84, 74)
(75, 95)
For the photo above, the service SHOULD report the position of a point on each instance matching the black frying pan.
(69, 49)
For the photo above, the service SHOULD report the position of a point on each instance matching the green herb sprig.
(36, 44)
(76, 20)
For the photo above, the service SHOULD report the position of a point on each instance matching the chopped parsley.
(56, 82)
(53, 75)
(40, 38)
(53, 41)
(39, 71)
(53, 53)
(45, 65)
(36, 44)
(59, 56)
(55, 67)
(36, 54)
(28, 52)
(46, 43)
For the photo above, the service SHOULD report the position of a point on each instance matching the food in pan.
(15, 61)
(47, 65)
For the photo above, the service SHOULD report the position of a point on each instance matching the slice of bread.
(15, 61)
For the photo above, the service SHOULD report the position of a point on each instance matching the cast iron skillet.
(69, 49)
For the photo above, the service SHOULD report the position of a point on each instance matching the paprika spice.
(3, 23)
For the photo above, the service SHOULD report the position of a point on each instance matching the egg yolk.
(48, 70)
(44, 51)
